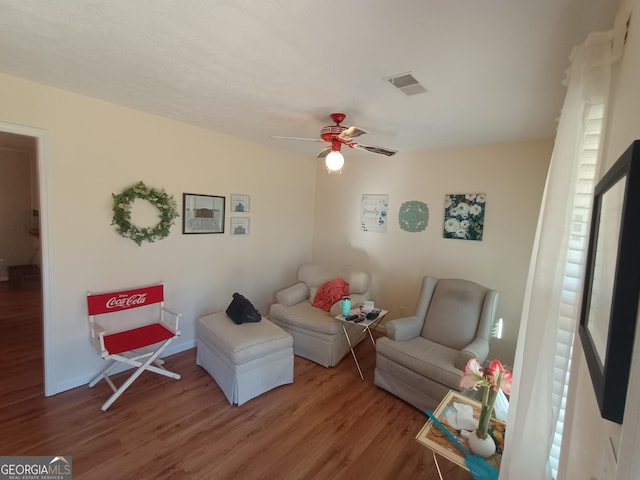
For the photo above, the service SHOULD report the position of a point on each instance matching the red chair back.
(110, 302)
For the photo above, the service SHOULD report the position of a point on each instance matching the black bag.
(241, 310)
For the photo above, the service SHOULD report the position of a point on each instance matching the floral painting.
(464, 216)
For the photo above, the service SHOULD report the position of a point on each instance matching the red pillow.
(330, 292)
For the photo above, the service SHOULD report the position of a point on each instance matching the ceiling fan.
(338, 135)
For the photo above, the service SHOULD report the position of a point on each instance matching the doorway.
(23, 265)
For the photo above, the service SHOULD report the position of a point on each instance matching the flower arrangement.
(495, 378)
(122, 203)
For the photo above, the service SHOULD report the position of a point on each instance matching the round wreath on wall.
(122, 203)
(413, 216)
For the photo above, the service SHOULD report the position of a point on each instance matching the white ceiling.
(256, 68)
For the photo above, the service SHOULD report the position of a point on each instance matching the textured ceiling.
(257, 68)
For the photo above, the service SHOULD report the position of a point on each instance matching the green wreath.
(413, 216)
(122, 202)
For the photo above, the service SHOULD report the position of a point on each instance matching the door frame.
(46, 274)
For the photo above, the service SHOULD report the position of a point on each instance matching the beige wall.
(298, 213)
(588, 436)
(511, 175)
(94, 149)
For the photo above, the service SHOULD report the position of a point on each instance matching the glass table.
(434, 439)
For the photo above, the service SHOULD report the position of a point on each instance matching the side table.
(367, 327)
(434, 439)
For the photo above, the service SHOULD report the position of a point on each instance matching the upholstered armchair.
(317, 335)
(422, 357)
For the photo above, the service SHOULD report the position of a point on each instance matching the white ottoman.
(245, 360)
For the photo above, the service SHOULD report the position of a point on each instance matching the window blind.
(574, 267)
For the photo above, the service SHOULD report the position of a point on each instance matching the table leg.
(435, 460)
(371, 336)
(353, 353)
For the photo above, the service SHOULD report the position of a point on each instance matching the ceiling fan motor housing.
(330, 132)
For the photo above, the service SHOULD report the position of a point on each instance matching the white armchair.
(422, 357)
(317, 335)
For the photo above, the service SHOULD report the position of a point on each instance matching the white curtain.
(536, 400)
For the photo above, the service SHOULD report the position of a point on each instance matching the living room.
(90, 148)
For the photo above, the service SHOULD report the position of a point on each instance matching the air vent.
(407, 84)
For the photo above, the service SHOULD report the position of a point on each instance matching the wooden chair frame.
(139, 347)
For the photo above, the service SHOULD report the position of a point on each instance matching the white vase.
(485, 447)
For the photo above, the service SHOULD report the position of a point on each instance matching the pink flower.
(499, 377)
(472, 376)
(494, 373)
(496, 377)
(506, 382)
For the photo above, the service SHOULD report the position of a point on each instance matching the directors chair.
(150, 330)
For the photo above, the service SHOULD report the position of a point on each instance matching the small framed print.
(239, 225)
(202, 213)
(239, 203)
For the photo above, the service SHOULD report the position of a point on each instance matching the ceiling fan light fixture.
(334, 161)
(338, 135)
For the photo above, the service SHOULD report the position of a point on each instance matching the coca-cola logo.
(122, 301)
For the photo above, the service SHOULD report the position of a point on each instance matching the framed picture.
(612, 282)
(202, 213)
(239, 226)
(239, 203)
(373, 213)
(464, 215)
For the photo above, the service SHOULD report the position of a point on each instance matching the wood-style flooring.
(328, 424)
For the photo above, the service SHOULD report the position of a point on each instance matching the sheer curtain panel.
(550, 308)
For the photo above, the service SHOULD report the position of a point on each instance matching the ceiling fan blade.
(324, 152)
(351, 132)
(373, 149)
(298, 138)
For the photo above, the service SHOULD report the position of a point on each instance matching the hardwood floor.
(328, 424)
(21, 354)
